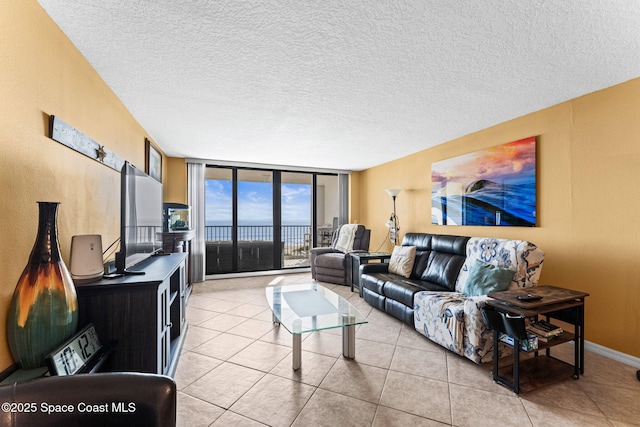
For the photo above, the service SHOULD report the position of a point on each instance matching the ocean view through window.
(247, 211)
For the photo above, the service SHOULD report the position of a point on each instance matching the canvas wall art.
(495, 187)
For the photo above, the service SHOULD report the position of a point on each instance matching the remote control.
(529, 297)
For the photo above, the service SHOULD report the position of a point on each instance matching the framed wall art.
(153, 161)
(495, 186)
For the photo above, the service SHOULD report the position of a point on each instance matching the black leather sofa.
(96, 400)
(445, 292)
(439, 259)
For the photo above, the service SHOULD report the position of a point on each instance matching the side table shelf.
(505, 313)
(533, 373)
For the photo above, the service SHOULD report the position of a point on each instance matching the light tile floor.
(235, 370)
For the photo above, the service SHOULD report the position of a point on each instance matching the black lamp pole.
(393, 192)
(395, 218)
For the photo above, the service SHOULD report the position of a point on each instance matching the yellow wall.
(588, 202)
(588, 161)
(175, 188)
(42, 73)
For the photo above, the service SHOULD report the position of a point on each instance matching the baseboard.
(612, 354)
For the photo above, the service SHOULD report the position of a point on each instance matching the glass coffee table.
(312, 307)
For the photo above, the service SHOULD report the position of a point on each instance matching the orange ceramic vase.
(44, 308)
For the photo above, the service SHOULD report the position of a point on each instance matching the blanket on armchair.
(346, 237)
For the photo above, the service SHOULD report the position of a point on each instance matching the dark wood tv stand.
(145, 314)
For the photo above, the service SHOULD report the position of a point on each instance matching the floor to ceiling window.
(266, 219)
(254, 225)
(296, 218)
(219, 216)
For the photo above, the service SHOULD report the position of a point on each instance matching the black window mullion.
(277, 220)
(234, 228)
(314, 211)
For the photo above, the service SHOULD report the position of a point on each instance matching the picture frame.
(153, 163)
(495, 186)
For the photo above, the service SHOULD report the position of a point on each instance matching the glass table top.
(370, 254)
(311, 307)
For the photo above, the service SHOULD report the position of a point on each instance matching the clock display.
(74, 354)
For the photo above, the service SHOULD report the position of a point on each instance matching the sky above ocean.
(255, 203)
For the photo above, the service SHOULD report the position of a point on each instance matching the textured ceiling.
(344, 84)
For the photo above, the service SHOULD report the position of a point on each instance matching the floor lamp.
(393, 223)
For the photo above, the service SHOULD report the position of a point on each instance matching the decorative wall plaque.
(66, 134)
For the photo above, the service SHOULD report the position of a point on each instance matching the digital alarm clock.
(75, 353)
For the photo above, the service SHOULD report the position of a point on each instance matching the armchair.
(102, 399)
(330, 264)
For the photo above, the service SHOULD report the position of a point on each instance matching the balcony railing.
(296, 238)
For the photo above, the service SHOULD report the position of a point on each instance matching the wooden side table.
(557, 303)
(359, 258)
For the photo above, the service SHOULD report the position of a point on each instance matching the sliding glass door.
(326, 201)
(260, 220)
(255, 227)
(219, 219)
(296, 215)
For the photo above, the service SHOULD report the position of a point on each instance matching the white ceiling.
(344, 84)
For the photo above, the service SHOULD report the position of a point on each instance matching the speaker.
(85, 264)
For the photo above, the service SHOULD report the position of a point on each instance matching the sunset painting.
(494, 186)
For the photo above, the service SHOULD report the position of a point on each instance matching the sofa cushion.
(486, 278)
(454, 245)
(373, 298)
(420, 240)
(375, 281)
(324, 274)
(402, 292)
(422, 284)
(446, 257)
(440, 317)
(401, 261)
(420, 264)
(523, 257)
(443, 269)
(334, 260)
(399, 311)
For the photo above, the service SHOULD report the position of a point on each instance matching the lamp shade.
(393, 192)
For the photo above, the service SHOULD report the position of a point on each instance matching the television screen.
(140, 217)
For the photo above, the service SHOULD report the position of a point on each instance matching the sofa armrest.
(478, 342)
(380, 267)
(314, 253)
(322, 250)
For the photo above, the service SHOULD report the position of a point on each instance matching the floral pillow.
(401, 261)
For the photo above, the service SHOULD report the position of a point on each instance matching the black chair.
(328, 264)
(102, 399)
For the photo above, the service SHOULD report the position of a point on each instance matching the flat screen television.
(140, 218)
